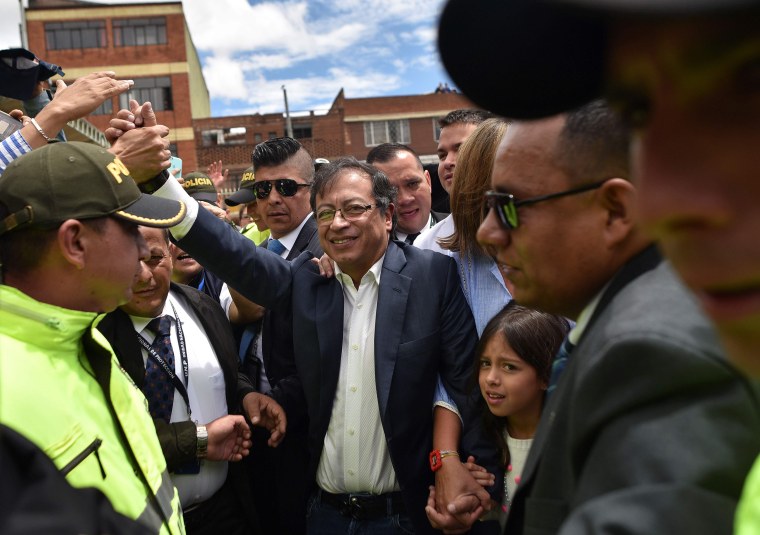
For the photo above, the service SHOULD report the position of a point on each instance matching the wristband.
(201, 443)
(154, 183)
(436, 458)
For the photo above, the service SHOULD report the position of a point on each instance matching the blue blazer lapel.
(389, 323)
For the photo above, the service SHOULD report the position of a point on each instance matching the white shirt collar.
(289, 240)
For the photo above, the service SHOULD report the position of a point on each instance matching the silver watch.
(201, 442)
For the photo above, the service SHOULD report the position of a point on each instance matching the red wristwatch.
(436, 458)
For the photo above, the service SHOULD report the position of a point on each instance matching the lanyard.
(152, 353)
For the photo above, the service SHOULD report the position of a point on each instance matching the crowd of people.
(571, 350)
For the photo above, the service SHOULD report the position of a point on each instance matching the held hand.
(481, 475)
(123, 121)
(264, 411)
(229, 438)
(144, 151)
(444, 520)
(458, 494)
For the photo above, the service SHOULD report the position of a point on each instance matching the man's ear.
(618, 198)
(427, 177)
(389, 217)
(73, 240)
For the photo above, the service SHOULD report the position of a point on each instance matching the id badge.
(189, 468)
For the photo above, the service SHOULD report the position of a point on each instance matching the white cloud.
(315, 47)
(311, 92)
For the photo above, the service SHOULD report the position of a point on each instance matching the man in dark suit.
(278, 476)
(369, 345)
(214, 495)
(649, 430)
(404, 169)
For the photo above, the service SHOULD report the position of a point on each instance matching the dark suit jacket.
(277, 327)
(178, 440)
(650, 431)
(423, 327)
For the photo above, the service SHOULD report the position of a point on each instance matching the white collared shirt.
(355, 457)
(206, 392)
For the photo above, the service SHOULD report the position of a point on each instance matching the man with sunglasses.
(646, 429)
(281, 175)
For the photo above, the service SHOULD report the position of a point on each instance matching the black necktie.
(411, 237)
(158, 388)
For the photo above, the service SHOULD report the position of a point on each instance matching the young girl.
(513, 366)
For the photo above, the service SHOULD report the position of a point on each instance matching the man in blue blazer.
(369, 345)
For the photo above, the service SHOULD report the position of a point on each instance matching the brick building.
(149, 43)
(351, 127)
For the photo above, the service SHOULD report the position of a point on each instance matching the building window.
(302, 131)
(377, 132)
(138, 32)
(272, 135)
(75, 34)
(104, 109)
(156, 90)
(257, 138)
(223, 136)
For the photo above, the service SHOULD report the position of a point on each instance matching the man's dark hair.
(594, 144)
(277, 151)
(464, 117)
(383, 192)
(386, 152)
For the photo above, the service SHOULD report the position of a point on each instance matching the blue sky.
(250, 48)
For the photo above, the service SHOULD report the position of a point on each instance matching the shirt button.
(355, 347)
(351, 432)
(353, 389)
(350, 472)
(359, 305)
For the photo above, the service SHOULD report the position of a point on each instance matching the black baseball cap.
(244, 194)
(20, 70)
(76, 180)
(200, 187)
(527, 59)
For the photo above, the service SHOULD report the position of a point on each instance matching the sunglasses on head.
(506, 205)
(287, 187)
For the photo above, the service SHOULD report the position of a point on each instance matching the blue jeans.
(324, 519)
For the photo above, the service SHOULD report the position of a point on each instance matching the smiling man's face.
(151, 289)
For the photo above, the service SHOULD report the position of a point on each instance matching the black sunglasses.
(287, 187)
(506, 205)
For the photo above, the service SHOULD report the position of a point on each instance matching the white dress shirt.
(206, 393)
(428, 239)
(355, 457)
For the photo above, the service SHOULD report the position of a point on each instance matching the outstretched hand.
(264, 411)
(229, 438)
